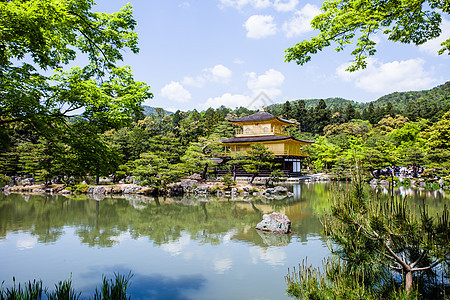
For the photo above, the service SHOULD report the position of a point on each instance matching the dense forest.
(162, 147)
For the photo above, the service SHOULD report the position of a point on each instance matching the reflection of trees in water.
(163, 220)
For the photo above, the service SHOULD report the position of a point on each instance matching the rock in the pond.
(281, 189)
(277, 223)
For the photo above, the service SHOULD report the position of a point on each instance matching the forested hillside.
(149, 110)
(428, 104)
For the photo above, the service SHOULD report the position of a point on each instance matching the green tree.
(345, 22)
(258, 158)
(287, 111)
(376, 240)
(321, 117)
(323, 153)
(154, 170)
(236, 162)
(89, 152)
(200, 157)
(42, 36)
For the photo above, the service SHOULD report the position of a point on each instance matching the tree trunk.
(253, 178)
(408, 281)
(234, 172)
(97, 179)
(205, 170)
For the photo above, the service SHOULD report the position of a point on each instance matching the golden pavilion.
(267, 129)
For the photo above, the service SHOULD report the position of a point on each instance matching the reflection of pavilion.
(269, 130)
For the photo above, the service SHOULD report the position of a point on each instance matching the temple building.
(267, 129)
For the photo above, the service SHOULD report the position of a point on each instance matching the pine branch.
(419, 259)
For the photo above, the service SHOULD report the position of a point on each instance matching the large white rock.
(277, 223)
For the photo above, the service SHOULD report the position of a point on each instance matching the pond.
(177, 248)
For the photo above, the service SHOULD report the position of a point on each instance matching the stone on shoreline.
(96, 190)
(131, 189)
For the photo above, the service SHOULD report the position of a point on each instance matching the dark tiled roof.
(261, 138)
(260, 116)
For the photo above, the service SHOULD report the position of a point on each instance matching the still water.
(177, 248)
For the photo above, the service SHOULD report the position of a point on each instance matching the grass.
(33, 290)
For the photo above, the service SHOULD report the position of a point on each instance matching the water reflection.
(169, 222)
(155, 286)
(166, 242)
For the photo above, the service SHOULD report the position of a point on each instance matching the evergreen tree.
(350, 113)
(321, 117)
(302, 116)
(258, 158)
(377, 240)
(287, 111)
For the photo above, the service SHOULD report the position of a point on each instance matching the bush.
(4, 180)
(227, 181)
(78, 188)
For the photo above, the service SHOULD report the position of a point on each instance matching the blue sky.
(198, 54)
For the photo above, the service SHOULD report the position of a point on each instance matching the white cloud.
(432, 47)
(184, 5)
(274, 256)
(175, 91)
(259, 4)
(177, 247)
(26, 243)
(238, 61)
(222, 264)
(261, 89)
(198, 81)
(269, 83)
(301, 22)
(227, 100)
(234, 3)
(219, 73)
(239, 4)
(259, 26)
(390, 77)
(283, 5)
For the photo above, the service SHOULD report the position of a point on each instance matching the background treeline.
(158, 148)
(409, 128)
(314, 114)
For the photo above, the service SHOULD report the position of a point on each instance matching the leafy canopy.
(38, 37)
(345, 22)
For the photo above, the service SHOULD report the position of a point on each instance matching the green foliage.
(64, 290)
(199, 157)
(331, 283)
(228, 181)
(347, 22)
(276, 175)
(380, 247)
(79, 188)
(112, 289)
(31, 290)
(154, 170)
(258, 159)
(52, 35)
(374, 233)
(67, 109)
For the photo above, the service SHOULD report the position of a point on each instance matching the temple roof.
(259, 117)
(260, 138)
